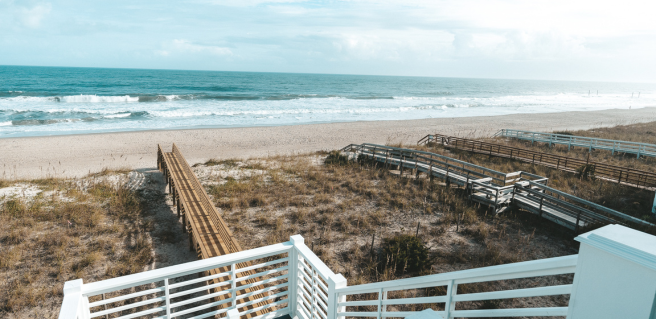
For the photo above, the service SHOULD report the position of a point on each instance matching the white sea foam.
(98, 99)
(92, 113)
(120, 115)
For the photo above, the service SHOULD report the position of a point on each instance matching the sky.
(552, 40)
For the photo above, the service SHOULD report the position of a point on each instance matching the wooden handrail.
(624, 175)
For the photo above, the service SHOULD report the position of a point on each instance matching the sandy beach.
(77, 155)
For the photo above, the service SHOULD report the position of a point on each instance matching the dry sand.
(77, 155)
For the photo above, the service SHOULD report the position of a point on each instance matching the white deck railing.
(590, 143)
(377, 294)
(291, 280)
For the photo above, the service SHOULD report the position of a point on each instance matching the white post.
(615, 275)
(168, 299)
(335, 282)
(449, 305)
(233, 284)
(233, 314)
(72, 306)
(296, 240)
(653, 207)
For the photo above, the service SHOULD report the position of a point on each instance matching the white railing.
(288, 279)
(377, 299)
(639, 149)
(258, 281)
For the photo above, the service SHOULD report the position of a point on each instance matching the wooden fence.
(618, 174)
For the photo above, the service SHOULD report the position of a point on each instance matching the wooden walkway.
(209, 235)
(626, 176)
(495, 189)
(627, 147)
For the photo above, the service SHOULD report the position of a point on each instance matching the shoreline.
(79, 154)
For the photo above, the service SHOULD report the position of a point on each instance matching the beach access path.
(77, 155)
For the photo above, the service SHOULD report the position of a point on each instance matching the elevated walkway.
(622, 175)
(495, 189)
(209, 235)
(639, 149)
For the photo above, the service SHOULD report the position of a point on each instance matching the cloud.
(31, 17)
(248, 3)
(182, 46)
(518, 45)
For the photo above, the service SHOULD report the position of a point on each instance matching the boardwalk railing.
(565, 209)
(299, 284)
(209, 235)
(639, 149)
(397, 298)
(623, 175)
(447, 168)
(290, 276)
(612, 278)
(496, 189)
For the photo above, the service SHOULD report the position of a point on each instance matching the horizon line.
(316, 73)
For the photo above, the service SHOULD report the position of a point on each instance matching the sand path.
(76, 155)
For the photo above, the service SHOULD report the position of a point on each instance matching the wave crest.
(95, 99)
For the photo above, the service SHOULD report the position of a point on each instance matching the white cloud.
(31, 17)
(518, 45)
(182, 46)
(248, 3)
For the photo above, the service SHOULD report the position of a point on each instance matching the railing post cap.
(73, 286)
(338, 280)
(233, 314)
(624, 242)
(296, 239)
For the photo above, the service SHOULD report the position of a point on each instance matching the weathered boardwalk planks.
(209, 235)
(496, 189)
(623, 175)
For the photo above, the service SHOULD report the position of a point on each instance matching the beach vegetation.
(404, 253)
(65, 232)
(356, 216)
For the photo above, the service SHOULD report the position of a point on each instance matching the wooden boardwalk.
(627, 147)
(496, 189)
(209, 235)
(623, 175)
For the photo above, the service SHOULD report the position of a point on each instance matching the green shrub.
(405, 253)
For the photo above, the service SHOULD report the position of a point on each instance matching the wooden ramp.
(209, 235)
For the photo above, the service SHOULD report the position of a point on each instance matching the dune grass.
(68, 230)
(342, 207)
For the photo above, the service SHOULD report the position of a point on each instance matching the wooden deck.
(497, 190)
(623, 175)
(209, 235)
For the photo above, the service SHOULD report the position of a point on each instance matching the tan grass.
(46, 241)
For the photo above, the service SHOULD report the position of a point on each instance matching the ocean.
(41, 101)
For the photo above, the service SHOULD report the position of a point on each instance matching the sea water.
(39, 101)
